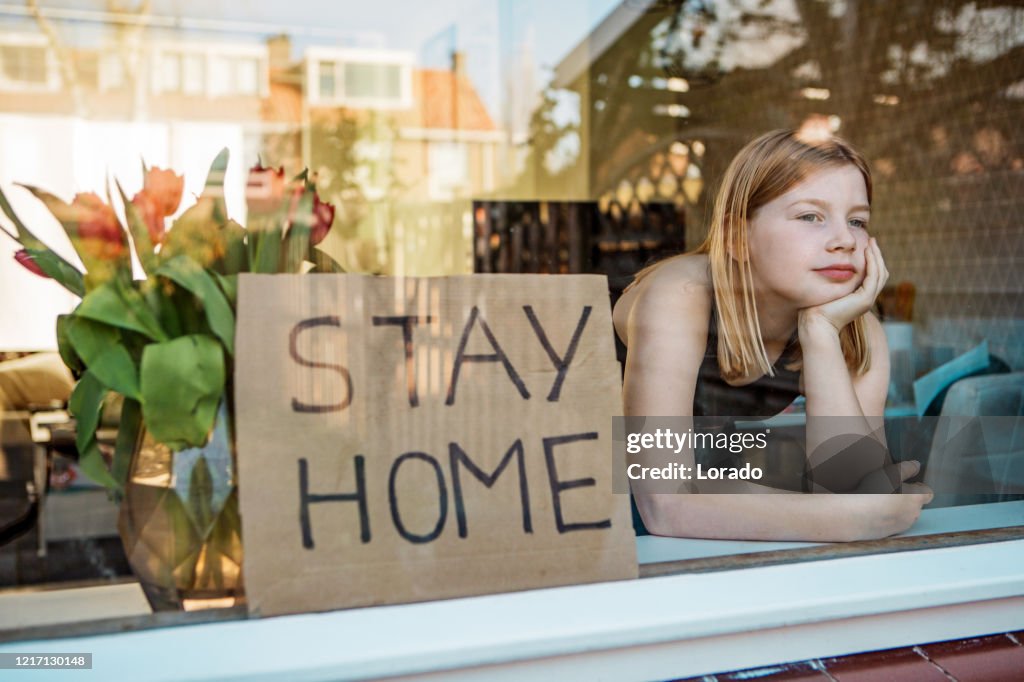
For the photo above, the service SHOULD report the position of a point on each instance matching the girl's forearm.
(789, 517)
(827, 383)
(842, 446)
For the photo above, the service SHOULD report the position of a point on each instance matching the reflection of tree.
(128, 35)
(128, 30)
(883, 61)
(549, 168)
(931, 90)
(352, 154)
(872, 60)
(909, 81)
(336, 164)
(65, 61)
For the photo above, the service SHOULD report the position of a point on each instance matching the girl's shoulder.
(689, 269)
(677, 289)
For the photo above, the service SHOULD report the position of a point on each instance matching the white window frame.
(339, 56)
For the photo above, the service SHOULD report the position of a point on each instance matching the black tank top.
(713, 397)
(767, 396)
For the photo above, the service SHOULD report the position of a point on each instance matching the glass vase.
(179, 521)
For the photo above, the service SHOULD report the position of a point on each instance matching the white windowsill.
(652, 549)
(672, 626)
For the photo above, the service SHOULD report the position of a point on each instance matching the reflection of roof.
(443, 100)
(597, 42)
(284, 104)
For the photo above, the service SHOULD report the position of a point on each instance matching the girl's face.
(807, 245)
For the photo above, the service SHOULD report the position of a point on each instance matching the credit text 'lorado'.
(681, 472)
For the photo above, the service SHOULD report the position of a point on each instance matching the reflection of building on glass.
(395, 143)
(431, 124)
(69, 120)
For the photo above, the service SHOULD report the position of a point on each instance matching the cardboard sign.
(409, 439)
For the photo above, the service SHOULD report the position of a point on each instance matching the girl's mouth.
(837, 274)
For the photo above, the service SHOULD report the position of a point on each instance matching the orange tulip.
(97, 227)
(159, 199)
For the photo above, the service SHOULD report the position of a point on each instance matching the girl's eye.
(858, 222)
(808, 217)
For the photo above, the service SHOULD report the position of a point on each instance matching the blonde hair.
(763, 170)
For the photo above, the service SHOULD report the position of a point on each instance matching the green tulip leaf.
(59, 270)
(215, 184)
(48, 261)
(229, 285)
(139, 231)
(65, 347)
(200, 496)
(182, 382)
(296, 244)
(128, 434)
(27, 239)
(101, 348)
(236, 256)
(187, 273)
(118, 304)
(323, 262)
(268, 251)
(86, 404)
(92, 464)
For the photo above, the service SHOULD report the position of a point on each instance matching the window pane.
(194, 74)
(448, 172)
(327, 77)
(170, 72)
(23, 63)
(378, 81)
(248, 76)
(220, 76)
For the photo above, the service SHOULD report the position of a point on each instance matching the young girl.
(774, 304)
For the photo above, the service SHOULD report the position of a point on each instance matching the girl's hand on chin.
(840, 312)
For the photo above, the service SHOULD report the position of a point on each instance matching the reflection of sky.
(494, 34)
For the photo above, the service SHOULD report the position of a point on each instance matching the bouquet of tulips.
(165, 343)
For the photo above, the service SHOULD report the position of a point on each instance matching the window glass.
(378, 81)
(193, 72)
(23, 63)
(328, 77)
(170, 72)
(112, 72)
(222, 81)
(247, 72)
(448, 170)
(521, 136)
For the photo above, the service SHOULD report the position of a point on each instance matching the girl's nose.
(841, 237)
